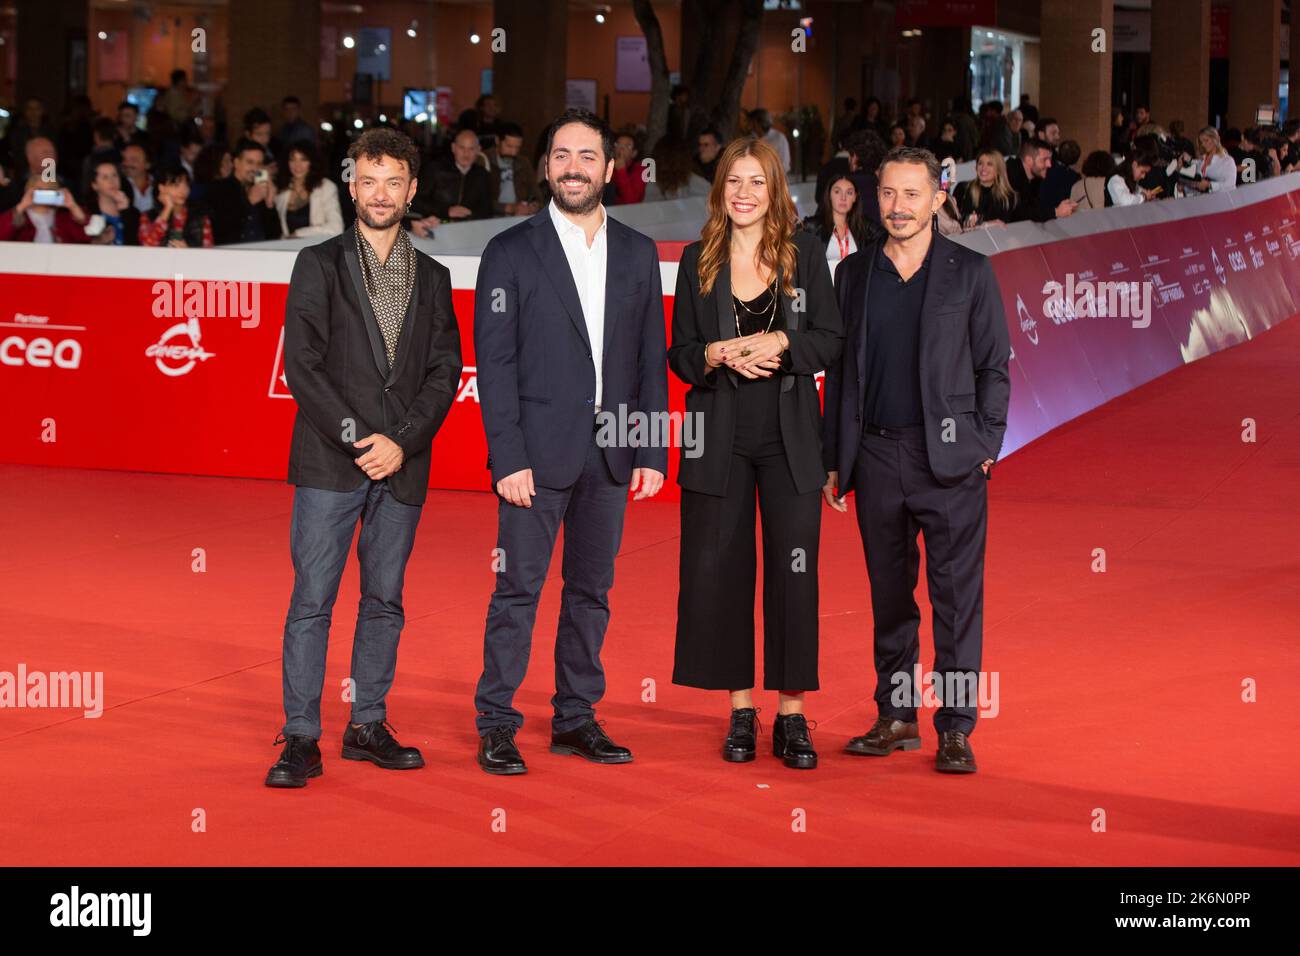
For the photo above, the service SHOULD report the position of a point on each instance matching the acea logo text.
(42, 350)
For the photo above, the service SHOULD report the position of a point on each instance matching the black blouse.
(298, 218)
(750, 323)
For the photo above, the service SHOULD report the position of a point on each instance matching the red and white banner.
(172, 360)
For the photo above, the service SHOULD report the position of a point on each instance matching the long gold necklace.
(771, 319)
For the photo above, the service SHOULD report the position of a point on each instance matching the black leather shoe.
(373, 742)
(955, 755)
(590, 741)
(886, 735)
(497, 752)
(299, 760)
(791, 742)
(741, 744)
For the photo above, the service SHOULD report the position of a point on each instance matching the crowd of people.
(1026, 170)
(181, 177)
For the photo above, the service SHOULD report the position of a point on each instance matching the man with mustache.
(372, 357)
(916, 408)
(568, 333)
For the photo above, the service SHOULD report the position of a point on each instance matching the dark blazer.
(816, 337)
(536, 380)
(228, 204)
(965, 348)
(337, 370)
(443, 185)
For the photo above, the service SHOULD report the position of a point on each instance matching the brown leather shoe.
(886, 735)
(954, 755)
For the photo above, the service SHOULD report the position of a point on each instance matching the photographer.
(44, 215)
(243, 204)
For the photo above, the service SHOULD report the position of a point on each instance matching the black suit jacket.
(443, 186)
(228, 204)
(337, 370)
(816, 338)
(965, 348)
(536, 380)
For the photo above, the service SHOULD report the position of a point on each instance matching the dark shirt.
(1057, 184)
(444, 186)
(235, 219)
(893, 332)
(1029, 207)
(298, 218)
(986, 209)
(751, 323)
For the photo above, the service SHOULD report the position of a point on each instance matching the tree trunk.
(751, 19)
(715, 103)
(657, 121)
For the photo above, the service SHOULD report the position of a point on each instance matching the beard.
(585, 202)
(372, 217)
(899, 224)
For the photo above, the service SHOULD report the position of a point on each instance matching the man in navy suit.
(569, 337)
(916, 409)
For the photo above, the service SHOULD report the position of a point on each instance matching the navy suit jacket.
(964, 354)
(536, 378)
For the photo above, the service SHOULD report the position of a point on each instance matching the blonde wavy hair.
(1001, 187)
(1213, 135)
(776, 248)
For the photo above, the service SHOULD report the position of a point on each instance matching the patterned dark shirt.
(388, 285)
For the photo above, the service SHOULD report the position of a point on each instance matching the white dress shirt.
(1220, 169)
(833, 247)
(1120, 194)
(587, 263)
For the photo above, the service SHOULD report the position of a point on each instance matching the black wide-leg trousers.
(719, 563)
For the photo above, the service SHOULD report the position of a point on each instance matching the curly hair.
(382, 141)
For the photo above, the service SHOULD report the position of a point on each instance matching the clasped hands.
(753, 356)
(383, 459)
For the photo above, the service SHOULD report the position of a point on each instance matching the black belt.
(894, 431)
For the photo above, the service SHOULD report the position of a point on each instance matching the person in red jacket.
(30, 221)
(628, 182)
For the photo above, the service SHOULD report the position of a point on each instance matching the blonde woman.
(1215, 166)
(754, 319)
(988, 199)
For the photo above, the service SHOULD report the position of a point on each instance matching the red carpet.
(1120, 691)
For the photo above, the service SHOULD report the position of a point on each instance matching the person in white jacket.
(307, 202)
(1124, 185)
(1217, 168)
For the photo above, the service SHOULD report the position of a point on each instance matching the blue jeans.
(320, 538)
